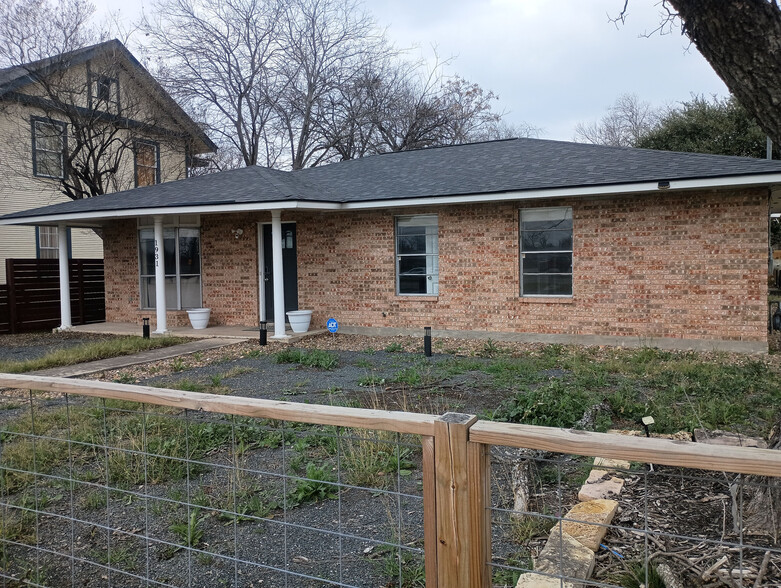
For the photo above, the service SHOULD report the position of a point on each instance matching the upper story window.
(417, 255)
(546, 252)
(147, 163)
(49, 144)
(104, 93)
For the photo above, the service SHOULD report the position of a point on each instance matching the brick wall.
(667, 265)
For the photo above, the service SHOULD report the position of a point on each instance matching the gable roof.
(513, 169)
(16, 77)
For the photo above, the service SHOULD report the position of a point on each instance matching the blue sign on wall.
(332, 325)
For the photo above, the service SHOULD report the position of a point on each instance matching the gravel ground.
(372, 373)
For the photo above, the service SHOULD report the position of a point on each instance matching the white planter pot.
(199, 317)
(299, 320)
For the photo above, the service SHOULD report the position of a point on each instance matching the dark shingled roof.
(492, 167)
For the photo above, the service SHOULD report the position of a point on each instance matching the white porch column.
(162, 325)
(65, 286)
(279, 284)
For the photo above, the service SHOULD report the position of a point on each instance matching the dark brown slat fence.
(30, 301)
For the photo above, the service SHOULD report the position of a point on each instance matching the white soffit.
(94, 218)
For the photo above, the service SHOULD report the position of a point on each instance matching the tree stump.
(762, 511)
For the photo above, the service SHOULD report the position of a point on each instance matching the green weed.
(189, 532)
(394, 348)
(316, 358)
(89, 352)
(318, 486)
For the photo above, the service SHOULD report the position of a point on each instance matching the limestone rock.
(532, 580)
(588, 518)
(600, 484)
(611, 465)
(565, 555)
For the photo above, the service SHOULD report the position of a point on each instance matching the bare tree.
(327, 47)
(219, 58)
(624, 124)
(31, 30)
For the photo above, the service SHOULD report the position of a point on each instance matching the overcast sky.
(553, 63)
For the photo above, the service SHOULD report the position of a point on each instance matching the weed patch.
(316, 358)
(89, 352)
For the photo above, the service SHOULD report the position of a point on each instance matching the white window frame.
(523, 253)
(48, 241)
(431, 222)
(173, 223)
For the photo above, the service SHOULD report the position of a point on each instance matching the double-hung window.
(48, 148)
(182, 263)
(417, 255)
(546, 252)
(48, 243)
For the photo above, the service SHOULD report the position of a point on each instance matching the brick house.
(137, 130)
(520, 239)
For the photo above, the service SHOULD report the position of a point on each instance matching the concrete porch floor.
(231, 332)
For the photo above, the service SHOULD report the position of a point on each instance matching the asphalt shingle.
(493, 167)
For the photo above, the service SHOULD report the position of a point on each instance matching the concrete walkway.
(231, 332)
(113, 363)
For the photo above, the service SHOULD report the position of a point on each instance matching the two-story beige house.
(82, 123)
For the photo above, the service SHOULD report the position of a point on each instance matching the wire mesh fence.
(133, 486)
(98, 492)
(562, 518)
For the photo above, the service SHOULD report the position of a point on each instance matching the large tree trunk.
(762, 512)
(741, 39)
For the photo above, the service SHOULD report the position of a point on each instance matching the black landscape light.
(427, 342)
(777, 318)
(145, 328)
(263, 333)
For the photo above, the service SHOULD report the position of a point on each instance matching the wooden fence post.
(479, 481)
(9, 280)
(453, 509)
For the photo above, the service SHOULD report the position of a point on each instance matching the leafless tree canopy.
(297, 83)
(624, 124)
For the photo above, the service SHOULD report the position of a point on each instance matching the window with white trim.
(546, 252)
(182, 263)
(417, 255)
(48, 148)
(48, 243)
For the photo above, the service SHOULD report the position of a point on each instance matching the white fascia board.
(91, 219)
(579, 192)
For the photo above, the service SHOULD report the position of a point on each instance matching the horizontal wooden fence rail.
(456, 451)
(315, 414)
(719, 458)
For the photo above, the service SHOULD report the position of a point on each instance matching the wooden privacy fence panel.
(33, 294)
(5, 325)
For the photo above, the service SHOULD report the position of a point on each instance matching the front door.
(289, 270)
